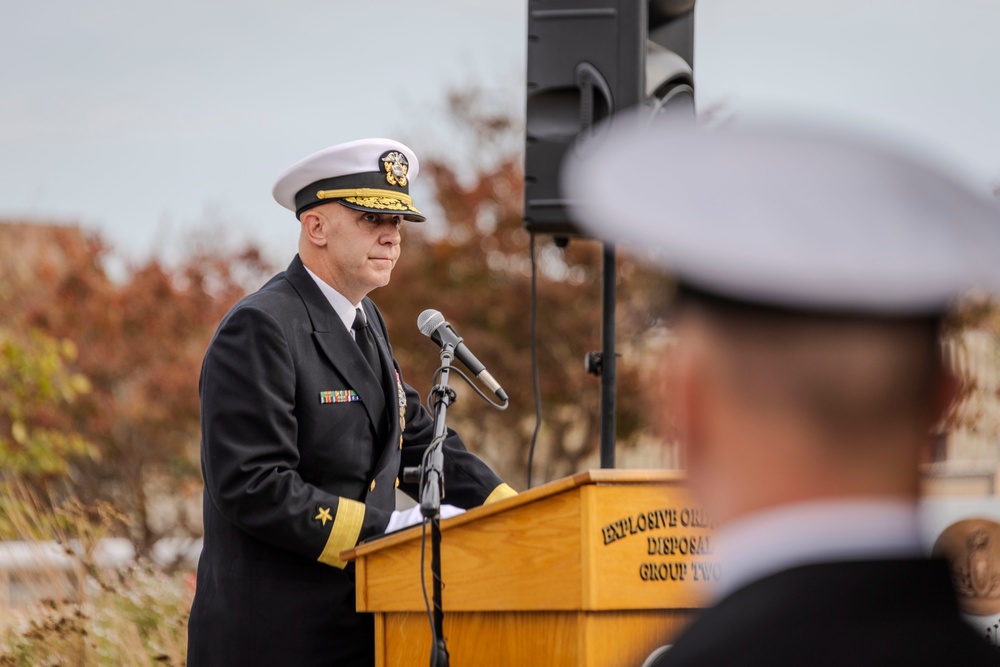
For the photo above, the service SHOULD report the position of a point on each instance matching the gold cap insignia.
(395, 166)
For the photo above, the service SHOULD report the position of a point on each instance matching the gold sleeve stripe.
(499, 493)
(364, 192)
(345, 532)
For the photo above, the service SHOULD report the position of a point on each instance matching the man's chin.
(380, 281)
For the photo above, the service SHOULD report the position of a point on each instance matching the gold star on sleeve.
(324, 515)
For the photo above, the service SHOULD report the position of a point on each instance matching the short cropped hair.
(846, 373)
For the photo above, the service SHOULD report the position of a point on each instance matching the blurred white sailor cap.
(368, 175)
(789, 216)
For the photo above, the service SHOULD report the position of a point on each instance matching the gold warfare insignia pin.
(395, 165)
(401, 395)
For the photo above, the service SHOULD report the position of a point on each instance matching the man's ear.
(314, 227)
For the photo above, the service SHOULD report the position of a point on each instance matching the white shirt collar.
(345, 310)
(767, 542)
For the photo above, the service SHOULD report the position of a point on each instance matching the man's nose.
(391, 235)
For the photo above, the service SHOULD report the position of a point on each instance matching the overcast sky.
(146, 121)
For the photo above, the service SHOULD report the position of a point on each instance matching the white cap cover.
(369, 175)
(788, 216)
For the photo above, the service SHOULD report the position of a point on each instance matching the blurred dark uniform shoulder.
(866, 613)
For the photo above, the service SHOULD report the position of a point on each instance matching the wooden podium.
(595, 569)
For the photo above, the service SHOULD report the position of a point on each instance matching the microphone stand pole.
(431, 492)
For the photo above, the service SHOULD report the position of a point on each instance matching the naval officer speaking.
(307, 424)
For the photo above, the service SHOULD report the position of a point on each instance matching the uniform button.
(397, 483)
(372, 487)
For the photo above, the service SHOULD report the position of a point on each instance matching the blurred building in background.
(967, 457)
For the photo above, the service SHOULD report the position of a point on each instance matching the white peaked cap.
(788, 215)
(368, 175)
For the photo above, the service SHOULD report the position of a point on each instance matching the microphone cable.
(429, 401)
(533, 336)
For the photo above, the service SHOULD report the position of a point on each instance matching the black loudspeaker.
(588, 59)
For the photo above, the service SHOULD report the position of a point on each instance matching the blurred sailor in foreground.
(307, 424)
(815, 268)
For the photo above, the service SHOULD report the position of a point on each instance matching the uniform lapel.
(336, 343)
(392, 393)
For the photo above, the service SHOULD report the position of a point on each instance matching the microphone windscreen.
(429, 320)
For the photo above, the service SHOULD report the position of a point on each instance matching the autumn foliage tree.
(115, 360)
(36, 385)
(141, 335)
(473, 264)
(140, 340)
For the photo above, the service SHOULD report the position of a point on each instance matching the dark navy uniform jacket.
(302, 449)
(858, 613)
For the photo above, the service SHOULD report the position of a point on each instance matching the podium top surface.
(599, 476)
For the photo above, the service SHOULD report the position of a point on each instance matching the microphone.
(433, 325)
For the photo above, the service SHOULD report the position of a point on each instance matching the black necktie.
(366, 342)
